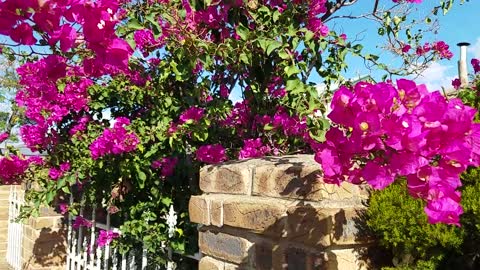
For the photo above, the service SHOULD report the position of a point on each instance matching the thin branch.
(336, 7)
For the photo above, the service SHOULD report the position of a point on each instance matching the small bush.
(401, 227)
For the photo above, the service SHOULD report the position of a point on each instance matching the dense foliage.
(128, 98)
(396, 220)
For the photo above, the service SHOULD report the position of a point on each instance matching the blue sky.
(458, 25)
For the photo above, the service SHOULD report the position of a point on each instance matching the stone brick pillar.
(44, 242)
(276, 213)
(43, 239)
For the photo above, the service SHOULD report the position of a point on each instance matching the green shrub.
(401, 228)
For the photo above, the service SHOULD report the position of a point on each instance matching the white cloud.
(437, 76)
(475, 49)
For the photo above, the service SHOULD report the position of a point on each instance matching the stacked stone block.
(43, 238)
(277, 213)
(44, 242)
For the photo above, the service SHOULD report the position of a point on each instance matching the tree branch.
(336, 7)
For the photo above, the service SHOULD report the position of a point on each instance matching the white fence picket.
(82, 239)
(15, 229)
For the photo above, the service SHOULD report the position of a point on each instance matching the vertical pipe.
(462, 64)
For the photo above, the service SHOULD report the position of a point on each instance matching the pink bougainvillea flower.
(3, 137)
(106, 237)
(144, 40)
(116, 140)
(384, 131)
(63, 207)
(191, 115)
(66, 35)
(81, 222)
(23, 34)
(444, 210)
(167, 165)
(55, 173)
(456, 83)
(253, 148)
(476, 65)
(12, 168)
(211, 154)
(442, 49)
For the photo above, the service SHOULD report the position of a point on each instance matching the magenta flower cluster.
(253, 148)
(4, 136)
(191, 115)
(116, 140)
(384, 132)
(211, 154)
(439, 48)
(106, 237)
(81, 222)
(56, 173)
(476, 65)
(314, 22)
(69, 24)
(281, 121)
(45, 104)
(165, 165)
(13, 167)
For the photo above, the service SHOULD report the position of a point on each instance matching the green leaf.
(291, 70)
(309, 35)
(66, 190)
(50, 196)
(134, 24)
(293, 84)
(268, 127)
(276, 15)
(166, 201)
(142, 177)
(381, 31)
(61, 86)
(242, 31)
(244, 58)
(283, 54)
(272, 46)
(371, 57)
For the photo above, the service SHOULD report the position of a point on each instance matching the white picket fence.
(15, 229)
(82, 251)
